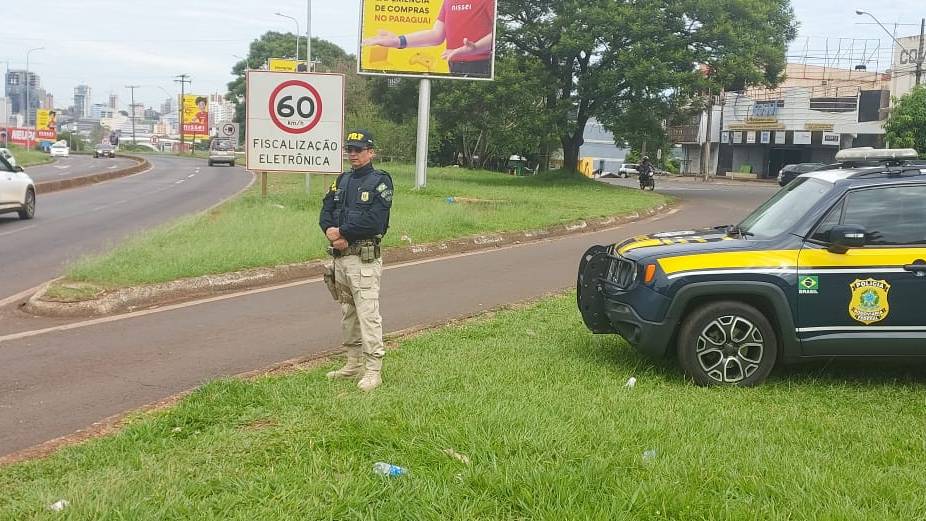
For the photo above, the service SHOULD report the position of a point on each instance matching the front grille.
(623, 273)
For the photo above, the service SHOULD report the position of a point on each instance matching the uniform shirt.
(471, 19)
(358, 203)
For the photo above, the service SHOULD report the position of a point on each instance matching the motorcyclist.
(646, 171)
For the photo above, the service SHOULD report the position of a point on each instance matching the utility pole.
(707, 136)
(919, 57)
(29, 88)
(182, 79)
(132, 89)
(308, 36)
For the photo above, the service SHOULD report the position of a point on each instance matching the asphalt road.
(84, 220)
(59, 381)
(76, 166)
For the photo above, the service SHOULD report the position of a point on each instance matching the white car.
(6, 154)
(628, 169)
(59, 150)
(17, 190)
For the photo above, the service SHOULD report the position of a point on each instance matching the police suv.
(834, 264)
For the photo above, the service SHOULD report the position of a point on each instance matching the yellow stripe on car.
(764, 259)
(861, 257)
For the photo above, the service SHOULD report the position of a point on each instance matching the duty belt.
(355, 248)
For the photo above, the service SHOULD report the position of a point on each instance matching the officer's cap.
(359, 138)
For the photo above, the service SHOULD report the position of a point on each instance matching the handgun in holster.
(331, 282)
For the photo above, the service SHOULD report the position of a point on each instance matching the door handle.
(918, 268)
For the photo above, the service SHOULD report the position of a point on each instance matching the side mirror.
(18, 168)
(844, 238)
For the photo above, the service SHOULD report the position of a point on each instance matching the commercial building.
(101, 111)
(16, 85)
(903, 65)
(815, 112)
(83, 101)
(600, 148)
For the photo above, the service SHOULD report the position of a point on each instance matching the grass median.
(26, 157)
(539, 407)
(250, 232)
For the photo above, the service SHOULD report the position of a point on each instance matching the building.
(16, 87)
(600, 149)
(49, 102)
(814, 113)
(903, 66)
(220, 110)
(100, 111)
(83, 101)
(151, 115)
(6, 111)
(169, 106)
(113, 101)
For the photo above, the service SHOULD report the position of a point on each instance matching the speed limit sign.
(295, 121)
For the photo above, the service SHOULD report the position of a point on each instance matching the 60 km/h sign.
(295, 121)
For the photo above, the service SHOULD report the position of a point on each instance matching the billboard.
(195, 117)
(295, 121)
(428, 38)
(286, 65)
(46, 125)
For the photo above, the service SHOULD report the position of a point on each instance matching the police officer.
(354, 217)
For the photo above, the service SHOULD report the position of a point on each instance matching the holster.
(331, 282)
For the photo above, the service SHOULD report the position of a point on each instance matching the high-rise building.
(49, 102)
(82, 101)
(220, 110)
(16, 87)
(6, 110)
(101, 111)
(169, 105)
(113, 101)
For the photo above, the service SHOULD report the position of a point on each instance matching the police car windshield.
(786, 208)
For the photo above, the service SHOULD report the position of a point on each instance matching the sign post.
(295, 123)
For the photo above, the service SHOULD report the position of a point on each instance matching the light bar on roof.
(875, 154)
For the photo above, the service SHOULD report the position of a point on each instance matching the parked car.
(789, 172)
(628, 169)
(832, 265)
(17, 190)
(222, 152)
(59, 150)
(104, 150)
(6, 154)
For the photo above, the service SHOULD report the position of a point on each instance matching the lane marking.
(189, 176)
(180, 181)
(18, 230)
(220, 298)
(62, 167)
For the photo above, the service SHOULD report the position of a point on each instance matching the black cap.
(359, 138)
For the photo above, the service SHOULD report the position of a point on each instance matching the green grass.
(539, 406)
(26, 158)
(251, 232)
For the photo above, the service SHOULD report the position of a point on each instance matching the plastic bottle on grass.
(387, 469)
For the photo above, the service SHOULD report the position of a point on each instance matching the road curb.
(141, 297)
(45, 187)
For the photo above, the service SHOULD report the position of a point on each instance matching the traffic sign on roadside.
(229, 131)
(295, 121)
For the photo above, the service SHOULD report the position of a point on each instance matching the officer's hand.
(333, 234)
(340, 244)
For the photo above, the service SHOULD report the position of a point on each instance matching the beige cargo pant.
(361, 323)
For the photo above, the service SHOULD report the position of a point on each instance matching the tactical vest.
(369, 184)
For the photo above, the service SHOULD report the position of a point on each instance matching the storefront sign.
(802, 138)
(831, 139)
(750, 138)
(819, 127)
(737, 137)
(780, 137)
(766, 137)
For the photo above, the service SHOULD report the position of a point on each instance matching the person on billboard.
(466, 26)
(202, 117)
(52, 121)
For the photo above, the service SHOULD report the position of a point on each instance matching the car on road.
(222, 152)
(59, 150)
(833, 265)
(6, 154)
(104, 150)
(628, 169)
(17, 190)
(789, 172)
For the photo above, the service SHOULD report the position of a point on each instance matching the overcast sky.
(108, 44)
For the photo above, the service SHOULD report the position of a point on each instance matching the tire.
(232, 164)
(745, 354)
(211, 163)
(28, 211)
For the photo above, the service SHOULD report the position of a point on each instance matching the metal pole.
(28, 88)
(707, 136)
(298, 32)
(308, 35)
(132, 90)
(182, 79)
(424, 120)
(919, 57)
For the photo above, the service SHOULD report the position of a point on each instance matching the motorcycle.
(647, 180)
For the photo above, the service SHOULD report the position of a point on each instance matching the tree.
(280, 45)
(906, 126)
(606, 58)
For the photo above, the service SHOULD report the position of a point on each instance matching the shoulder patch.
(381, 188)
(334, 187)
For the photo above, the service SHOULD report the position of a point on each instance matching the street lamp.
(298, 32)
(28, 88)
(919, 56)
